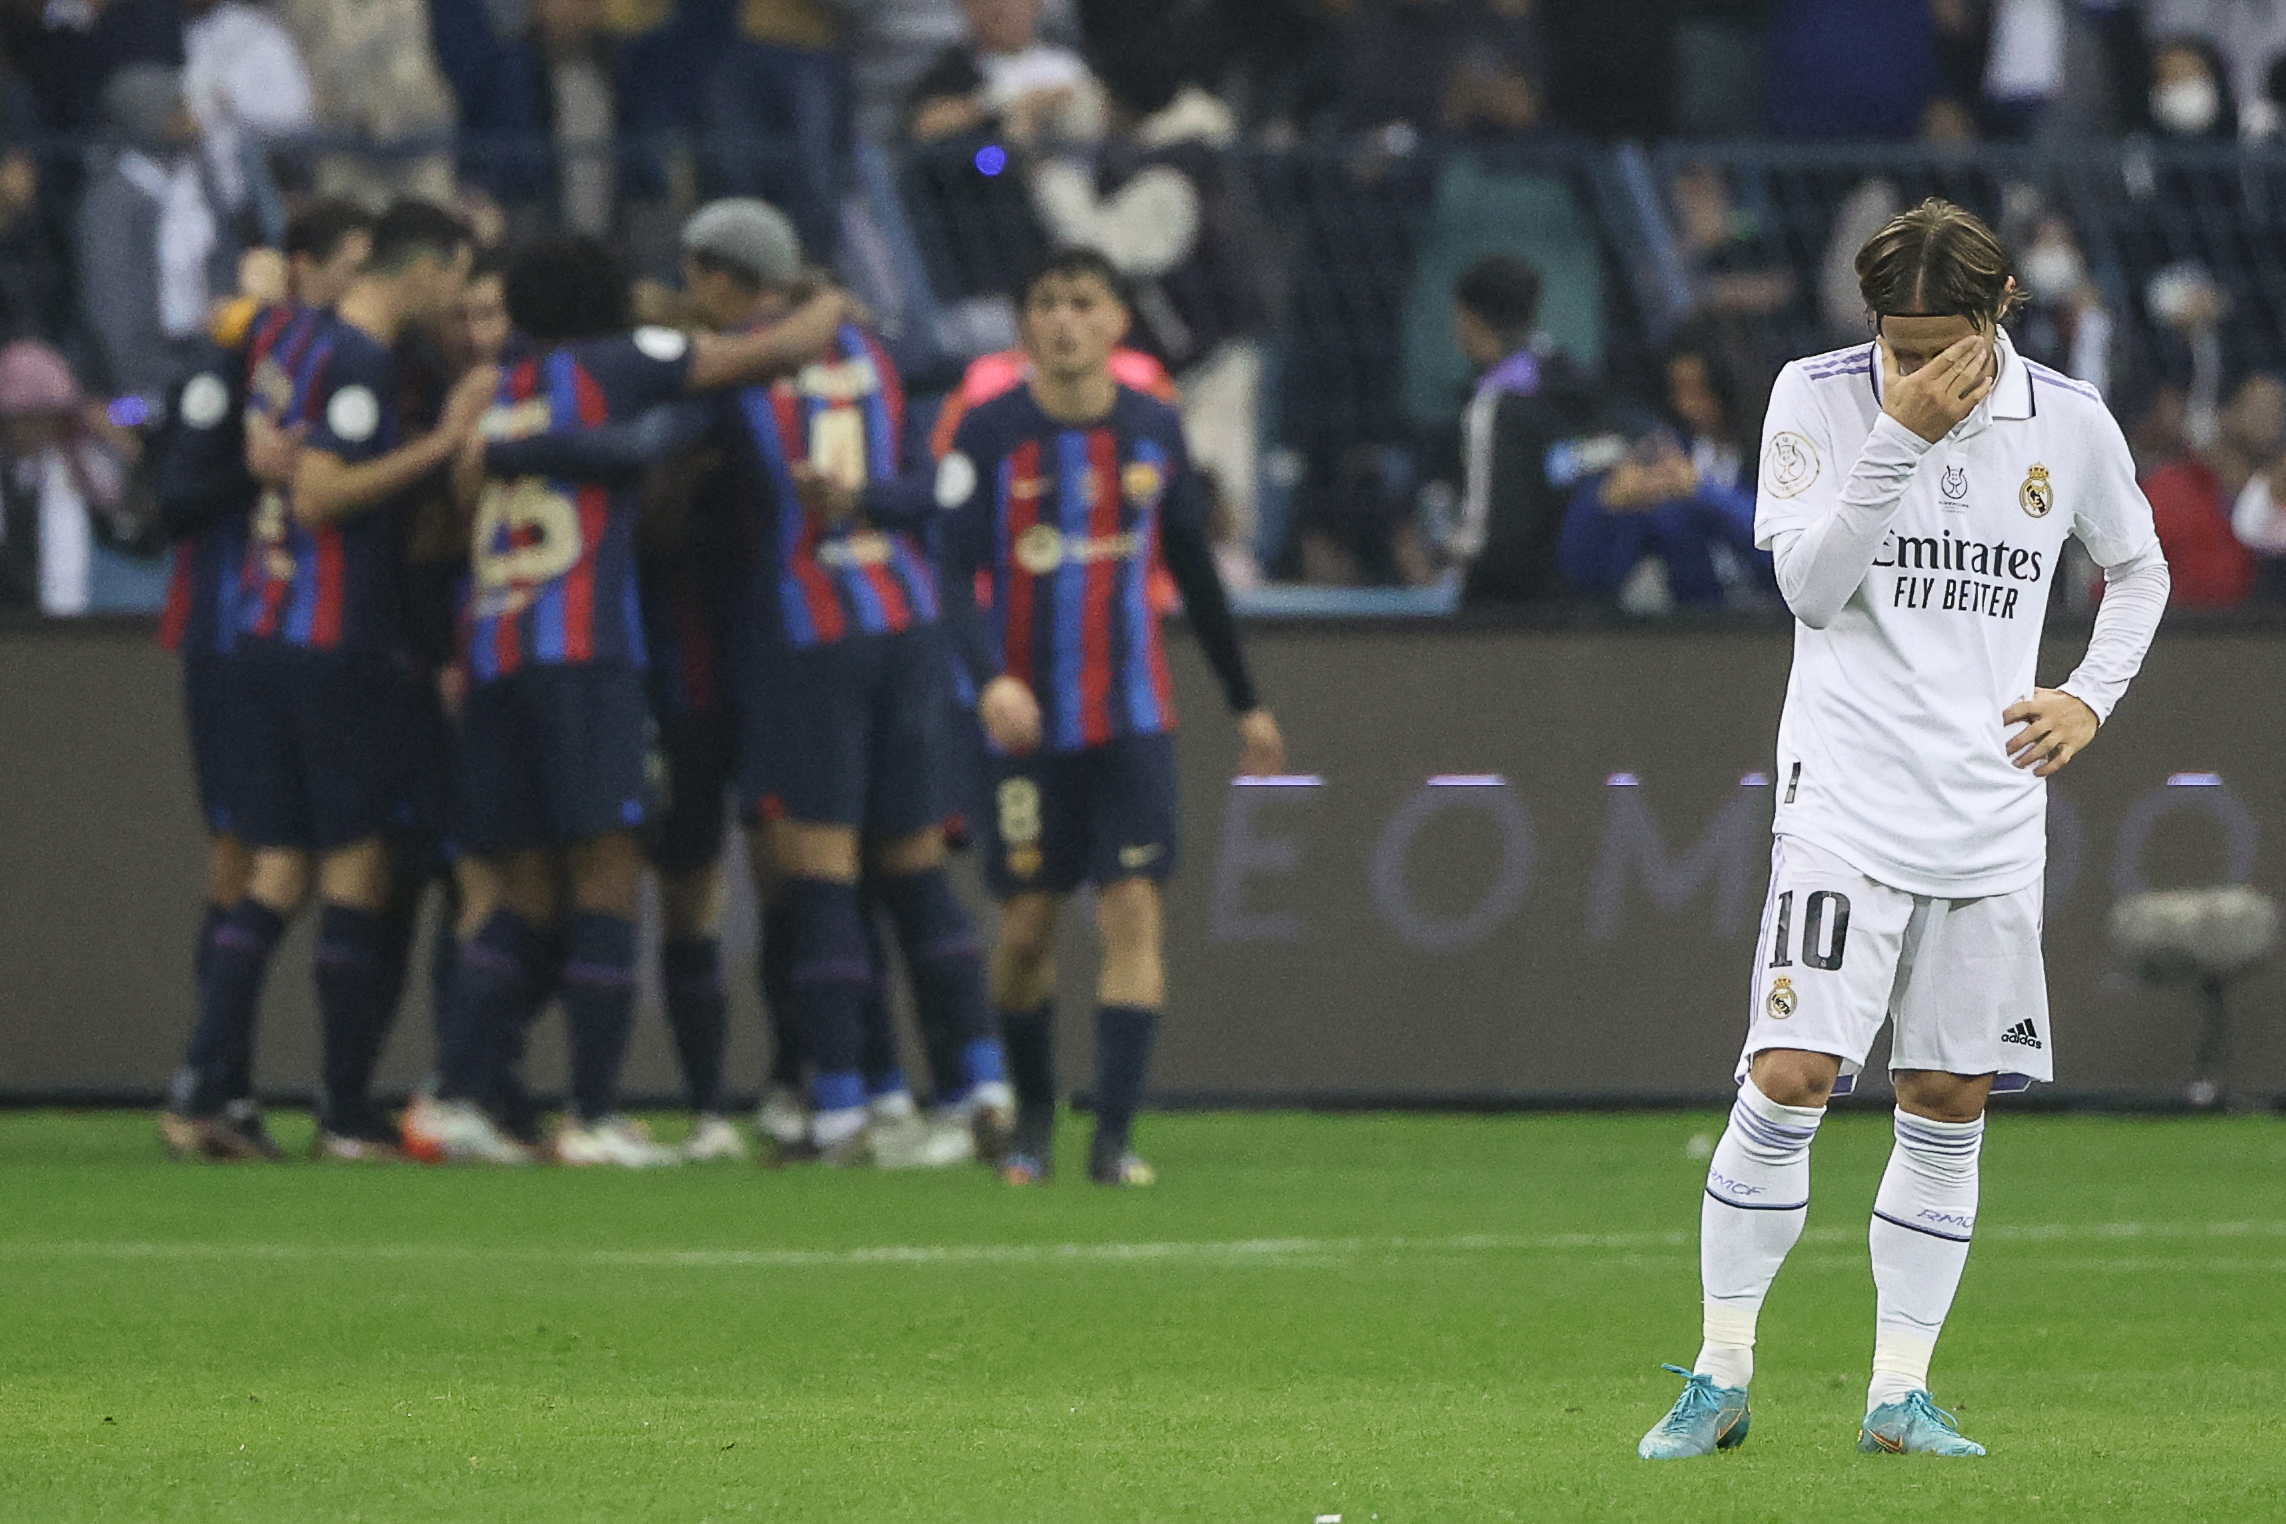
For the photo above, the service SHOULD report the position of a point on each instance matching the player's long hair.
(1937, 260)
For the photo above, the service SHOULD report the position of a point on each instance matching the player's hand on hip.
(1011, 715)
(1261, 746)
(1941, 393)
(2057, 728)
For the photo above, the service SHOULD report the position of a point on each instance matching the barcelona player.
(315, 623)
(1064, 492)
(556, 755)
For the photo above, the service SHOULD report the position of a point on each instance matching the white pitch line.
(1243, 1250)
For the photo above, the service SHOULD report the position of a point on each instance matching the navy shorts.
(848, 733)
(425, 807)
(553, 755)
(211, 684)
(700, 755)
(1057, 820)
(312, 749)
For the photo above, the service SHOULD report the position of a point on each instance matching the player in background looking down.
(1916, 493)
(1065, 492)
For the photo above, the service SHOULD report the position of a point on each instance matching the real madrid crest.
(1781, 998)
(2037, 494)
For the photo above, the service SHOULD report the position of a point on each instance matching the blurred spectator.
(374, 77)
(69, 49)
(57, 479)
(246, 83)
(1528, 400)
(2241, 41)
(1673, 523)
(1718, 67)
(890, 44)
(2064, 322)
(1863, 213)
(2191, 97)
(1162, 204)
(2188, 307)
(554, 121)
(31, 275)
(2024, 66)
(151, 250)
(1851, 68)
(1742, 293)
(1414, 67)
(1611, 66)
(1004, 80)
(2192, 499)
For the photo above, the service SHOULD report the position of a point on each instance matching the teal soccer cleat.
(1706, 1418)
(1913, 1425)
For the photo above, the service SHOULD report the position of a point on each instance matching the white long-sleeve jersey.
(1919, 575)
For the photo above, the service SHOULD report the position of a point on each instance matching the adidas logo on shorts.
(2022, 1035)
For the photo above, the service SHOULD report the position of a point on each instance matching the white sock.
(1922, 1221)
(1758, 1192)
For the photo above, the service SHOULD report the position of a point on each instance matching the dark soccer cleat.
(1125, 1169)
(1027, 1169)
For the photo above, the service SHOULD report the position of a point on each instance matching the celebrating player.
(317, 626)
(555, 747)
(1916, 493)
(1064, 492)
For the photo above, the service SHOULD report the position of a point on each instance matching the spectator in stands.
(1742, 293)
(1162, 204)
(2241, 40)
(374, 77)
(1611, 66)
(2064, 322)
(1673, 523)
(890, 45)
(2192, 499)
(555, 123)
(246, 83)
(58, 477)
(152, 251)
(1005, 81)
(2191, 96)
(31, 276)
(70, 49)
(1527, 401)
(1409, 68)
(1851, 68)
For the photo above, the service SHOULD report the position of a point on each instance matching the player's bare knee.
(1127, 914)
(807, 850)
(357, 876)
(917, 853)
(607, 873)
(1942, 1097)
(1793, 1077)
(229, 866)
(279, 878)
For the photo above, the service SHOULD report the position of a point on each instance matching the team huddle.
(481, 583)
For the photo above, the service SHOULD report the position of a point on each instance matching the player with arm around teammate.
(555, 750)
(1065, 492)
(1916, 493)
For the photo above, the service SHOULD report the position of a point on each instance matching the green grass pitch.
(1386, 1318)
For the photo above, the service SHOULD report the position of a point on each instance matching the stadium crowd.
(934, 150)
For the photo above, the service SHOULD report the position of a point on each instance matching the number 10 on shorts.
(1825, 930)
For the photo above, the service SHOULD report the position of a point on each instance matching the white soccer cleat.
(784, 1116)
(454, 1132)
(991, 1109)
(937, 1141)
(622, 1141)
(714, 1138)
(891, 1109)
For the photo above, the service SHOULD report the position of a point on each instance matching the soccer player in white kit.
(1916, 493)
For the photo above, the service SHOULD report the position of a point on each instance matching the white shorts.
(1840, 954)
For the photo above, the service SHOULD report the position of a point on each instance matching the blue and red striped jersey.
(204, 492)
(200, 618)
(331, 587)
(554, 564)
(1066, 521)
(845, 415)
